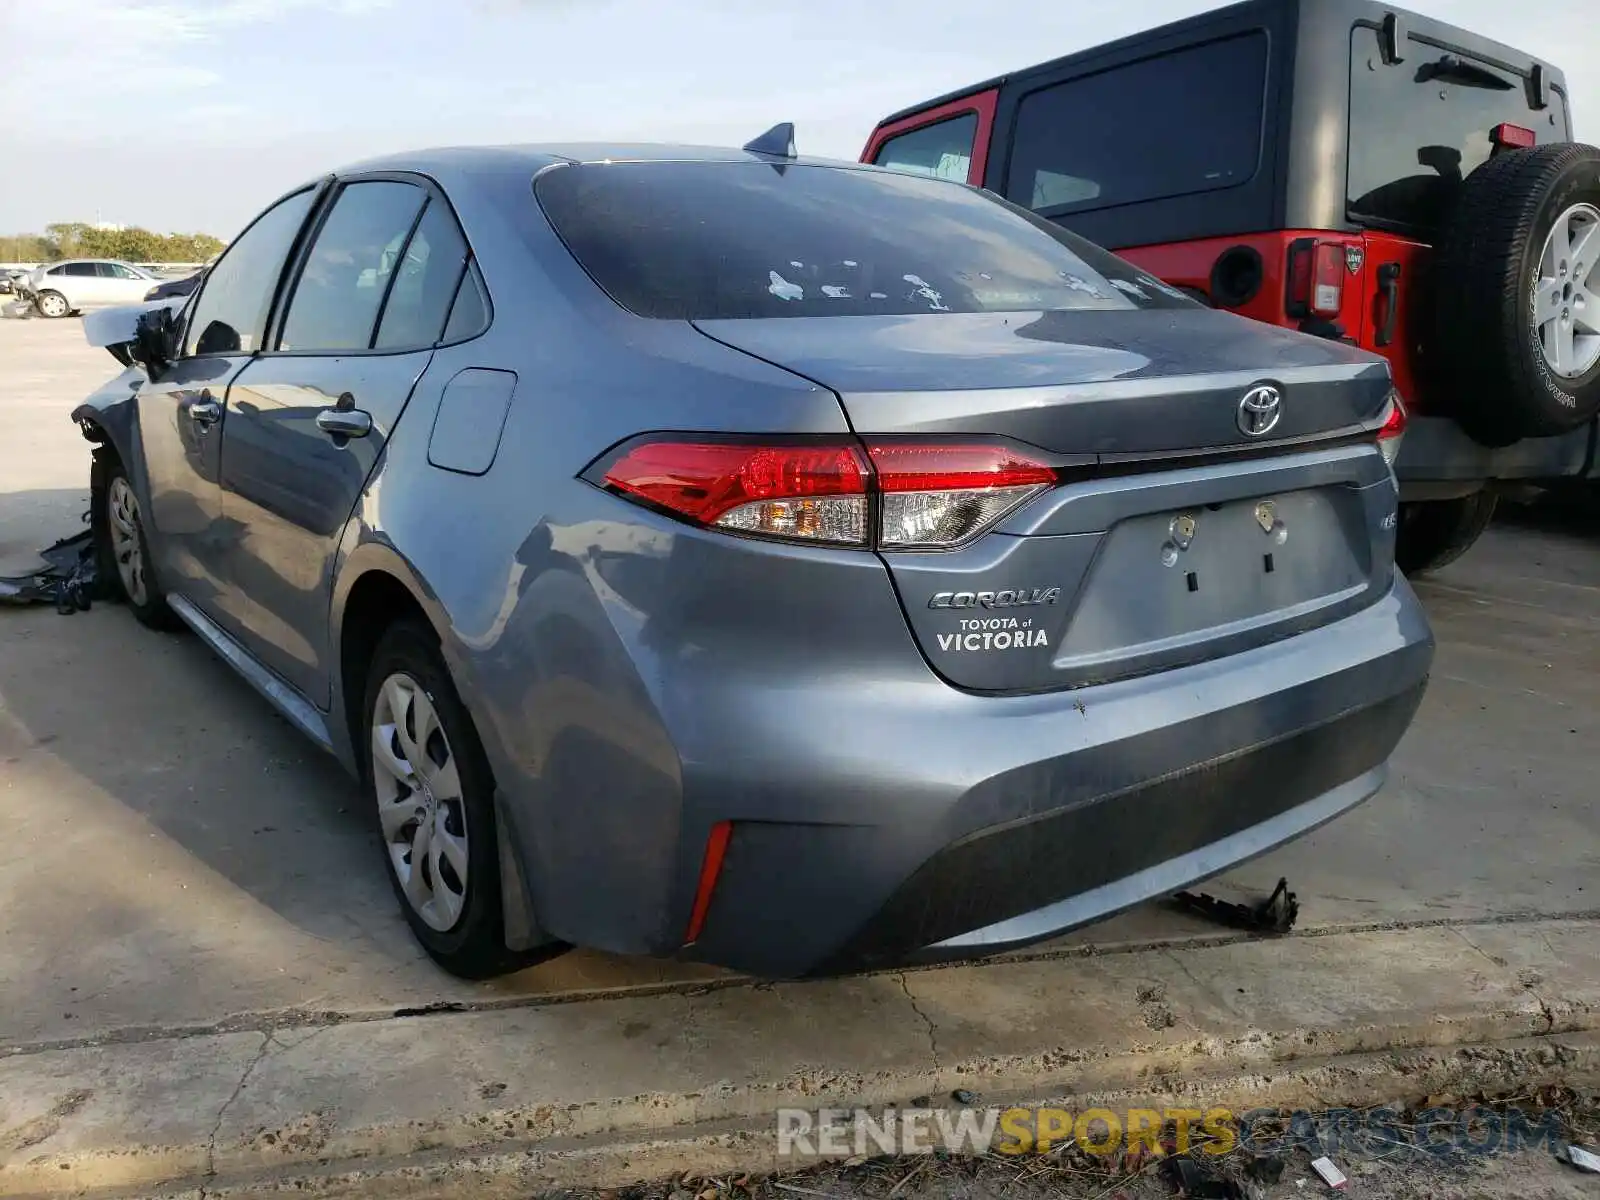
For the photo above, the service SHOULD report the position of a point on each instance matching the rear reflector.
(1315, 278)
(710, 868)
(927, 495)
(1513, 137)
(1393, 428)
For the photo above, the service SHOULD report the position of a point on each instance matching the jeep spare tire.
(1517, 295)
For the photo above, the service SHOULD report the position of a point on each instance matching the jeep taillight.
(1393, 428)
(1315, 278)
(1506, 136)
(891, 493)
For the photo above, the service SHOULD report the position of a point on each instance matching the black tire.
(1485, 343)
(105, 470)
(1434, 533)
(474, 946)
(48, 297)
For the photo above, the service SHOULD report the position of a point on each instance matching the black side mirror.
(155, 341)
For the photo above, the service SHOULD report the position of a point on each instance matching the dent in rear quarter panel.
(546, 591)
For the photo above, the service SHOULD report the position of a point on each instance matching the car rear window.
(1180, 123)
(1418, 127)
(729, 240)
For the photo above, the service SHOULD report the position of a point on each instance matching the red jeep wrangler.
(1343, 168)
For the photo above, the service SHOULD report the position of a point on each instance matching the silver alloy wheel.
(420, 807)
(53, 304)
(1566, 296)
(122, 509)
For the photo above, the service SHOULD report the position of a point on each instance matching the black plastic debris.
(1276, 914)
(1198, 1182)
(66, 579)
(1265, 1168)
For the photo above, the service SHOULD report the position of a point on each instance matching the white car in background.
(67, 287)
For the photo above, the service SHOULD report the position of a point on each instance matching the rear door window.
(1180, 123)
(943, 149)
(1420, 126)
(424, 283)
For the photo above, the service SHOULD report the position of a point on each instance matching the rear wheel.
(427, 776)
(1434, 533)
(52, 304)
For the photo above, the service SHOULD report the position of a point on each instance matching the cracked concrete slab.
(540, 1089)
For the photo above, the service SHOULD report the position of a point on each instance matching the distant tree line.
(74, 239)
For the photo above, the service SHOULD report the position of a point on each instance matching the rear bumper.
(947, 825)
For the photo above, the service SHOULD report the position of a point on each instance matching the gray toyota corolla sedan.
(792, 565)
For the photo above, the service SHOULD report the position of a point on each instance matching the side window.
(122, 272)
(424, 283)
(81, 270)
(230, 315)
(56, 271)
(943, 149)
(341, 289)
(1119, 136)
(469, 315)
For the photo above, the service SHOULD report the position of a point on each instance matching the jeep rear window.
(1184, 122)
(727, 240)
(1420, 126)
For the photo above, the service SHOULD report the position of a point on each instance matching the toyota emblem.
(1260, 410)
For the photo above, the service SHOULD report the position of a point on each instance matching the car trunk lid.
(1175, 536)
(1111, 383)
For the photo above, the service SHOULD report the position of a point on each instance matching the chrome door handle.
(205, 411)
(344, 422)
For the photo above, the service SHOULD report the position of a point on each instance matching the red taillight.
(814, 492)
(1513, 137)
(1315, 278)
(914, 467)
(926, 495)
(710, 868)
(1393, 428)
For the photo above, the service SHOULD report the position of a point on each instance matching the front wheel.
(427, 776)
(52, 304)
(1434, 533)
(122, 553)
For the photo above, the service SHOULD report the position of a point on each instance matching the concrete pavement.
(181, 874)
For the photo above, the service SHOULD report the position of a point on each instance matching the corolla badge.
(1260, 410)
(1008, 598)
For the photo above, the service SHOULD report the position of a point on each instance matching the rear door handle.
(344, 422)
(1389, 286)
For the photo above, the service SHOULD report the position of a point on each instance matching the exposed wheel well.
(376, 602)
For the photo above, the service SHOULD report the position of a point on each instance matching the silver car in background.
(791, 565)
(60, 289)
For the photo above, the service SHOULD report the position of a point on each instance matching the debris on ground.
(67, 578)
(1329, 1172)
(1276, 914)
(1582, 1158)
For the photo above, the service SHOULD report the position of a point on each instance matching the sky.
(190, 115)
